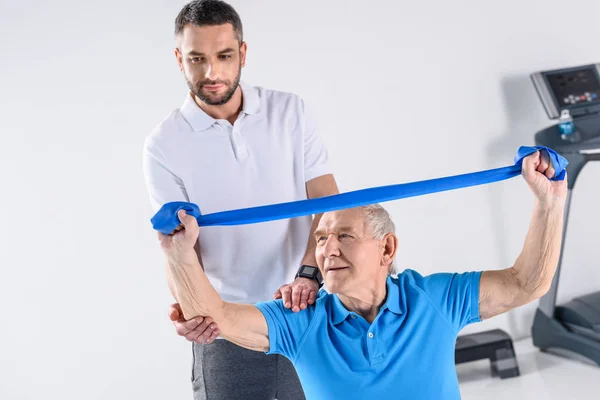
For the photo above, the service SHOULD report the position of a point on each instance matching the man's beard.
(211, 100)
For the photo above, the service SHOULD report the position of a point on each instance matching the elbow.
(537, 291)
(533, 285)
(545, 288)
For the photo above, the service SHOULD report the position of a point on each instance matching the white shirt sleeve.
(316, 159)
(162, 184)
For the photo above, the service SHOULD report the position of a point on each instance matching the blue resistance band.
(166, 220)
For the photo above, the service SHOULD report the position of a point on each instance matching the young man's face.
(211, 59)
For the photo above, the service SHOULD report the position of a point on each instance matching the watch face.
(308, 270)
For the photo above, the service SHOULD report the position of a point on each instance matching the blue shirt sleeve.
(287, 329)
(454, 295)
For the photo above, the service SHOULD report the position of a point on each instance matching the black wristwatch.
(310, 272)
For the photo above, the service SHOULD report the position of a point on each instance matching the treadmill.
(570, 93)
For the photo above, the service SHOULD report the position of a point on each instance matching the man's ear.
(389, 245)
(243, 49)
(179, 58)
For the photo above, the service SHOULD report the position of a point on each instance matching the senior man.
(375, 335)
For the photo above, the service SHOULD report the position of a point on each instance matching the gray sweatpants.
(223, 370)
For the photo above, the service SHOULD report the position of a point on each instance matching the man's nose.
(332, 246)
(212, 71)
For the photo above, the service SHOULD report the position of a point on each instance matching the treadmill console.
(575, 89)
(571, 97)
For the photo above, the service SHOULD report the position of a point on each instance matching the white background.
(403, 91)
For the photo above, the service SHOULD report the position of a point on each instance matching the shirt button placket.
(239, 144)
(370, 345)
(373, 348)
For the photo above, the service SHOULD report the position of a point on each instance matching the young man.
(377, 336)
(229, 146)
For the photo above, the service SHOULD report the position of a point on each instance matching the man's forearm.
(192, 289)
(309, 256)
(536, 265)
(241, 324)
(322, 186)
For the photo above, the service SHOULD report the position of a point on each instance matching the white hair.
(379, 223)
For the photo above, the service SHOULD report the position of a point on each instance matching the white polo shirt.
(265, 157)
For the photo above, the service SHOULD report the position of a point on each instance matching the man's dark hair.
(207, 13)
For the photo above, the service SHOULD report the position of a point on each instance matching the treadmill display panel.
(575, 88)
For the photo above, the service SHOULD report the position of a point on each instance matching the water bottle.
(565, 125)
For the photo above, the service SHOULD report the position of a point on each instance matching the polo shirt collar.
(394, 302)
(251, 102)
(339, 313)
(200, 121)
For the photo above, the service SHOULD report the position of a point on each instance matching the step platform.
(495, 345)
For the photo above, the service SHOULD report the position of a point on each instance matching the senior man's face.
(347, 254)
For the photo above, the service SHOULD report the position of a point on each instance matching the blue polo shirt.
(406, 353)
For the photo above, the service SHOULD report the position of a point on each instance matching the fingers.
(181, 214)
(546, 166)
(296, 296)
(205, 333)
(304, 298)
(296, 293)
(207, 337)
(186, 219)
(544, 161)
(175, 312)
(183, 327)
(550, 172)
(189, 223)
(530, 163)
(538, 162)
(286, 295)
(162, 235)
(199, 330)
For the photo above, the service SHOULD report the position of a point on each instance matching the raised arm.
(531, 275)
(241, 324)
(164, 186)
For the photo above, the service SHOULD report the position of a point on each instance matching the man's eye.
(321, 239)
(225, 57)
(344, 236)
(196, 59)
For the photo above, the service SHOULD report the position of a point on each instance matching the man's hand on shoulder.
(298, 294)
